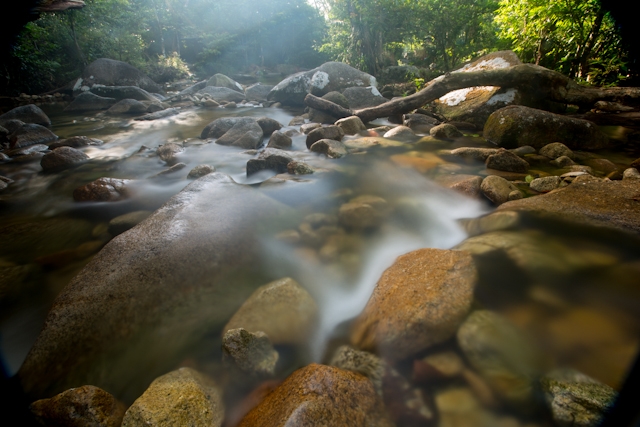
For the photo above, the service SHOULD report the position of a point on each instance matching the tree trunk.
(531, 79)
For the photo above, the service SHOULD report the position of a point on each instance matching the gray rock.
(174, 168)
(473, 153)
(88, 101)
(122, 223)
(75, 142)
(102, 190)
(515, 126)
(168, 112)
(504, 160)
(279, 140)
(220, 80)
(324, 132)
(270, 158)
(62, 158)
(576, 400)
(126, 318)
(362, 362)
(297, 121)
(363, 97)
(268, 125)
(127, 106)
(563, 162)
(282, 309)
(244, 134)
(545, 184)
(351, 125)
(630, 173)
(27, 114)
(192, 89)
(168, 153)
(329, 147)
(110, 72)
(180, 398)
(12, 125)
(330, 76)
(504, 357)
(200, 171)
(420, 123)
(85, 406)
(220, 94)
(252, 352)
(36, 148)
(123, 92)
(445, 131)
(324, 117)
(555, 150)
(524, 150)
(31, 134)
(258, 92)
(299, 168)
(497, 189)
(308, 127)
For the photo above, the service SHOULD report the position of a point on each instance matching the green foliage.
(575, 37)
(168, 68)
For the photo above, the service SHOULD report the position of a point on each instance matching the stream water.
(575, 291)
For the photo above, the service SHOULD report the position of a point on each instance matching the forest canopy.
(170, 39)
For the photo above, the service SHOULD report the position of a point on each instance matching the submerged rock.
(85, 406)
(282, 309)
(319, 395)
(62, 158)
(180, 398)
(152, 292)
(503, 356)
(122, 223)
(102, 190)
(576, 400)
(252, 352)
(419, 301)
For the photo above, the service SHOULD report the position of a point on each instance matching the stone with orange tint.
(319, 395)
(419, 301)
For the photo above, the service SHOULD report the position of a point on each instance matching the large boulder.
(62, 158)
(363, 97)
(475, 104)
(319, 395)
(517, 126)
(28, 114)
(418, 302)
(88, 101)
(123, 92)
(220, 94)
(31, 134)
(244, 132)
(220, 80)
(258, 92)
(110, 72)
(330, 76)
(609, 204)
(153, 292)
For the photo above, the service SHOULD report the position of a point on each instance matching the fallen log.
(537, 82)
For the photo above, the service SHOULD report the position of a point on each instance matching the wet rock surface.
(252, 352)
(319, 395)
(27, 114)
(78, 407)
(102, 190)
(418, 302)
(62, 158)
(182, 397)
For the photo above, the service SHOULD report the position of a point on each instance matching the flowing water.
(575, 291)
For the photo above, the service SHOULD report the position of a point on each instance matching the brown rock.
(282, 309)
(611, 204)
(180, 398)
(102, 190)
(319, 395)
(62, 158)
(85, 406)
(419, 301)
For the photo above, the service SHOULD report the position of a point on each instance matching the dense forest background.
(171, 39)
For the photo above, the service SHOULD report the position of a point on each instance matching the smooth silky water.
(578, 296)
